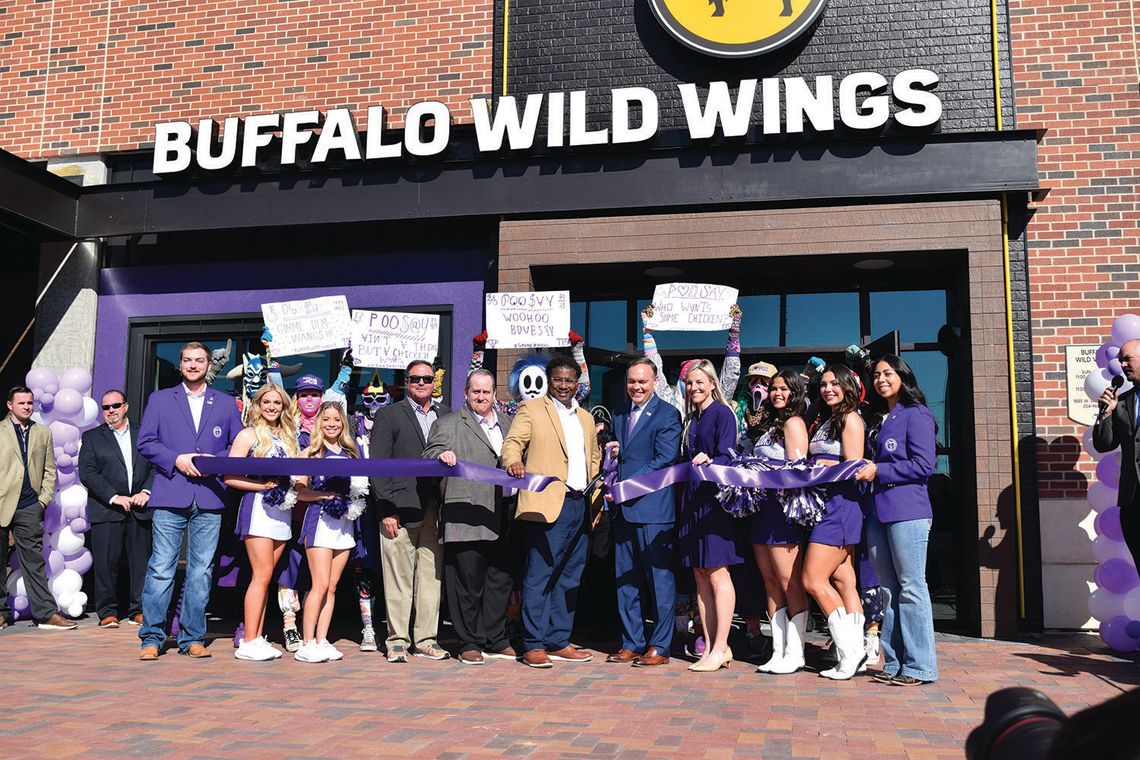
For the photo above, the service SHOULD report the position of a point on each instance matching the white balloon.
(1104, 549)
(1131, 604)
(72, 499)
(64, 598)
(90, 415)
(1095, 383)
(67, 581)
(1105, 605)
(67, 542)
(74, 610)
(1086, 443)
(81, 599)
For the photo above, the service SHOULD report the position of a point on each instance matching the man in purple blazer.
(179, 424)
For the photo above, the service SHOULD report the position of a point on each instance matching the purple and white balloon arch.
(1115, 603)
(62, 405)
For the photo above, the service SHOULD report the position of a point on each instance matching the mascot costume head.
(528, 377)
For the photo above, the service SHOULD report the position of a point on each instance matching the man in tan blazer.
(27, 482)
(553, 436)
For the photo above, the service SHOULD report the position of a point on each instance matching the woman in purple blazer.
(898, 523)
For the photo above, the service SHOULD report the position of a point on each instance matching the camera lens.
(1019, 724)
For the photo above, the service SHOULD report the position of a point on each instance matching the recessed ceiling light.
(664, 271)
(874, 264)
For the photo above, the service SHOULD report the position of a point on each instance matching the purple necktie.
(633, 415)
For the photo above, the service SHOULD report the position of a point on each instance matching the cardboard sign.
(692, 307)
(1079, 362)
(390, 340)
(528, 320)
(302, 327)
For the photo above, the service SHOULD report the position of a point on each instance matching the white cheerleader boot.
(848, 644)
(860, 623)
(793, 660)
(779, 629)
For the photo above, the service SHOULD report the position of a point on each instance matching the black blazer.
(103, 473)
(1119, 429)
(396, 434)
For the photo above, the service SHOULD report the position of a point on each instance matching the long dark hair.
(772, 418)
(850, 403)
(909, 394)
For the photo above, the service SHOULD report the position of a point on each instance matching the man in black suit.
(117, 479)
(1117, 426)
(411, 556)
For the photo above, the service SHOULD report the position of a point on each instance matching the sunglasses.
(109, 407)
(413, 379)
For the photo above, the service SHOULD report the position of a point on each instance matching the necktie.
(633, 415)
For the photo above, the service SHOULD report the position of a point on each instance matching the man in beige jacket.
(552, 435)
(27, 482)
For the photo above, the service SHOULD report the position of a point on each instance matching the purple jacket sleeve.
(149, 441)
(725, 437)
(920, 442)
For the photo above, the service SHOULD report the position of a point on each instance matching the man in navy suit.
(179, 424)
(648, 434)
(118, 480)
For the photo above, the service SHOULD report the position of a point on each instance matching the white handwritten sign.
(528, 320)
(692, 307)
(390, 340)
(301, 327)
(1079, 362)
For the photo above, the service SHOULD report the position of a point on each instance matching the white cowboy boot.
(779, 628)
(793, 660)
(847, 633)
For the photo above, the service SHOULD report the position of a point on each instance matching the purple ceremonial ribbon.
(270, 467)
(687, 472)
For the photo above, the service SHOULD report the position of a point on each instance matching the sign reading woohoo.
(528, 320)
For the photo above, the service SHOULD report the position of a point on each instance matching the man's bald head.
(1130, 358)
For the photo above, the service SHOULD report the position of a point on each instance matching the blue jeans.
(169, 525)
(555, 558)
(898, 550)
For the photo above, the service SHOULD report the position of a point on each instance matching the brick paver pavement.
(83, 694)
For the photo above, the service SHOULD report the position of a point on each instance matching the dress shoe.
(536, 658)
(197, 651)
(570, 654)
(471, 657)
(651, 658)
(109, 622)
(135, 619)
(432, 652)
(623, 655)
(3, 622)
(506, 653)
(148, 653)
(58, 622)
(712, 662)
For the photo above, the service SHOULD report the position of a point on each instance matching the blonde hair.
(286, 426)
(691, 409)
(317, 443)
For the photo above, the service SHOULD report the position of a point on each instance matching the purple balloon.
(65, 479)
(71, 448)
(1108, 470)
(1112, 352)
(1114, 367)
(21, 606)
(1107, 524)
(68, 402)
(77, 379)
(1101, 357)
(1133, 629)
(1125, 328)
(1118, 576)
(63, 432)
(1115, 633)
(55, 563)
(80, 525)
(47, 399)
(80, 563)
(40, 377)
(64, 462)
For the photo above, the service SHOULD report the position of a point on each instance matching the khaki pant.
(412, 565)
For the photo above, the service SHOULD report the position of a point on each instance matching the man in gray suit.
(411, 558)
(475, 524)
(1117, 426)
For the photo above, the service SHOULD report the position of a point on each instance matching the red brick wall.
(75, 79)
(1075, 72)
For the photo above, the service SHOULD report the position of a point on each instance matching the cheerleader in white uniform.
(328, 531)
(264, 514)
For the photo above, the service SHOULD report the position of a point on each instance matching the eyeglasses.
(109, 407)
(413, 379)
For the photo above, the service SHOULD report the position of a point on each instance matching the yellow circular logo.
(736, 28)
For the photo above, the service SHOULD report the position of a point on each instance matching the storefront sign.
(302, 327)
(734, 29)
(1079, 362)
(391, 340)
(691, 307)
(862, 101)
(528, 320)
